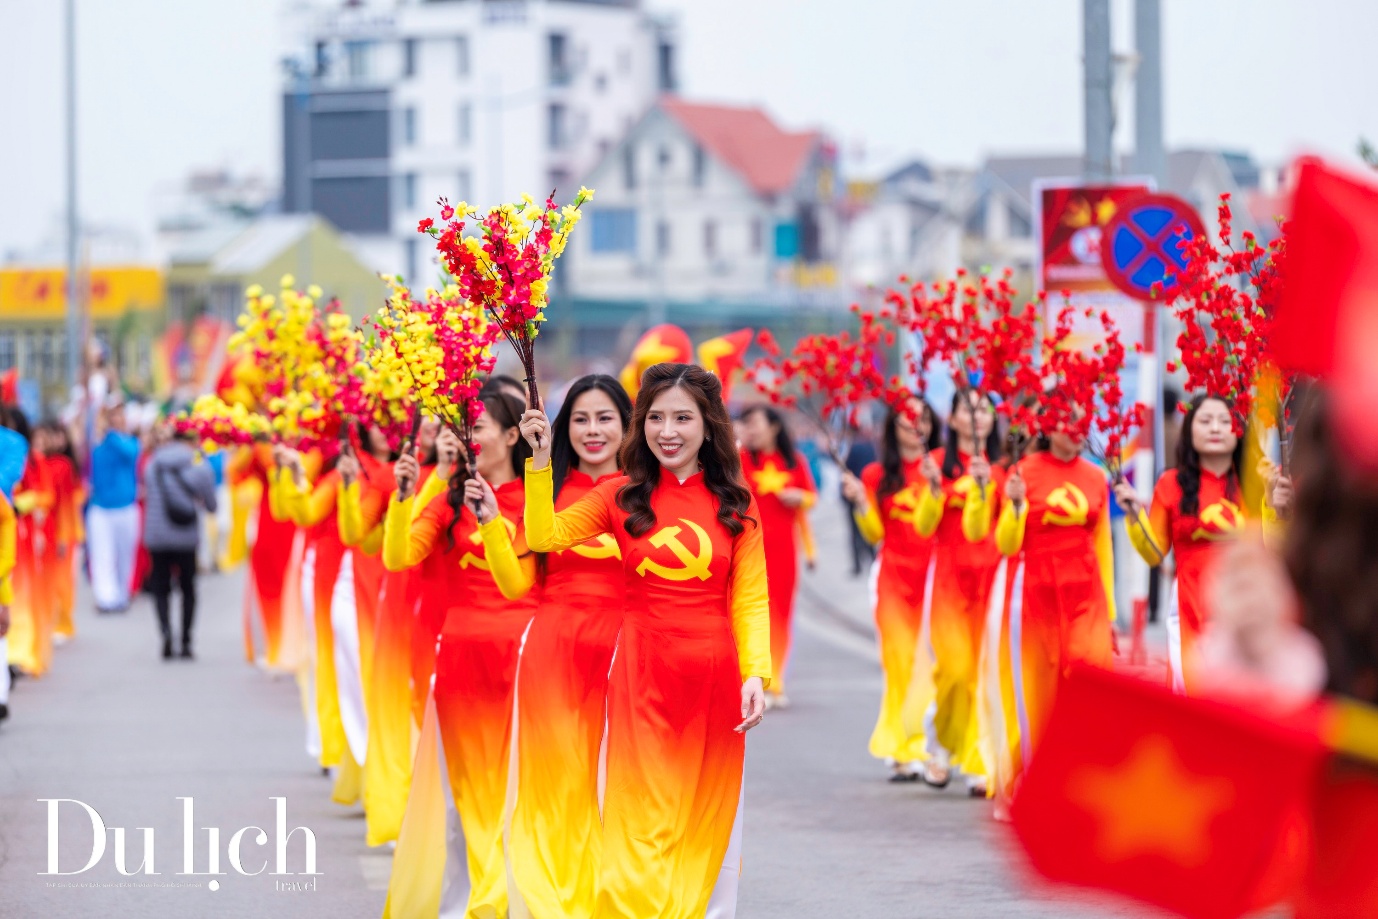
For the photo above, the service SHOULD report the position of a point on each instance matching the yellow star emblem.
(770, 479)
(1151, 804)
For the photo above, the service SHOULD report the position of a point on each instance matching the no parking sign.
(1147, 241)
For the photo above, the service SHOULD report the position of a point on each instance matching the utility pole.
(1098, 85)
(1148, 92)
(75, 347)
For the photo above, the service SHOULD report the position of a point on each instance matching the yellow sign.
(41, 293)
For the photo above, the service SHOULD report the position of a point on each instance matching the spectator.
(112, 523)
(177, 486)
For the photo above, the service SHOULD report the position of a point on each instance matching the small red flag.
(724, 355)
(1193, 805)
(1327, 318)
(661, 344)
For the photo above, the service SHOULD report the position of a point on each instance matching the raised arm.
(547, 531)
(407, 541)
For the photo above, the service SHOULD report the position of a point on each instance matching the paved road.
(117, 728)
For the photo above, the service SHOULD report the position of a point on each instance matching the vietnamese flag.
(660, 345)
(1197, 806)
(724, 355)
(1327, 317)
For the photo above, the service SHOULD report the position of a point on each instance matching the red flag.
(724, 355)
(661, 344)
(9, 386)
(1327, 318)
(1193, 805)
(1342, 877)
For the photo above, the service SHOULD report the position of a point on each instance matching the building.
(910, 222)
(391, 105)
(123, 310)
(209, 268)
(707, 202)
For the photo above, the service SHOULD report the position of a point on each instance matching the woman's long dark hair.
(1331, 551)
(562, 455)
(891, 463)
(55, 428)
(784, 444)
(722, 467)
(1189, 461)
(953, 467)
(505, 410)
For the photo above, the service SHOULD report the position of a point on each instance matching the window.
(409, 53)
(613, 230)
(409, 127)
(558, 180)
(557, 126)
(462, 56)
(629, 167)
(463, 183)
(409, 190)
(8, 357)
(412, 263)
(757, 234)
(663, 238)
(665, 61)
(663, 158)
(465, 124)
(786, 239)
(359, 55)
(700, 166)
(710, 238)
(557, 58)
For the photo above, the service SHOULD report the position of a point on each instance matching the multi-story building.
(390, 105)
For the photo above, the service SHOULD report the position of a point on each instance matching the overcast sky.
(168, 86)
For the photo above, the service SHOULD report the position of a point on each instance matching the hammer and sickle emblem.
(477, 539)
(960, 489)
(903, 505)
(695, 566)
(605, 546)
(1067, 506)
(1219, 521)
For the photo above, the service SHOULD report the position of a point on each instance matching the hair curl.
(784, 444)
(718, 458)
(891, 462)
(562, 455)
(1189, 461)
(506, 410)
(953, 467)
(1331, 553)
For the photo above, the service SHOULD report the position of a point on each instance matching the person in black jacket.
(178, 485)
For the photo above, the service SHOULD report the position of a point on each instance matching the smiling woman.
(688, 678)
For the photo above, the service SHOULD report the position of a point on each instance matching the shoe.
(898, 777)
(4, 711)
(976, 786)
(936, 772)
(186, 653)
(167, 649)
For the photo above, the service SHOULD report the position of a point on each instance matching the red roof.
(769, 159)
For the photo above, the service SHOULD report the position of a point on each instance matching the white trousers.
(112, 543)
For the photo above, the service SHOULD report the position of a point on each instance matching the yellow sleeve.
(750, 601)
(309, 509)
(372, 543)
(977, 513)
(1009, 531)
(806, 542)
(349, 514)
(1149, 535)
(514, 576)
(432, 488)
(1105, 557)
(282, 492)
(547, 531)
(407, 541)
(1274, 527)
(930, 512)
(25, 502)
(868, 521)
(9, 532)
